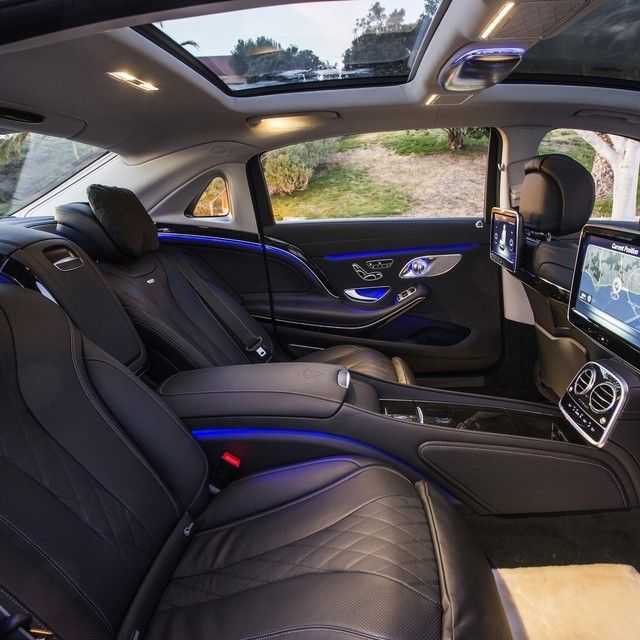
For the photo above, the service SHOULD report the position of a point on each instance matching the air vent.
(603, 397)
(584, 381)
(537, 19)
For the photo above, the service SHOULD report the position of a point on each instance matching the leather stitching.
(107, 419)
(180, 428)
(302, 499)
(63, 574)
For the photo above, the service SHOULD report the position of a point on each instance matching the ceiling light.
(431, 99)
(124, 76)
(497, 20)
(293, 121)
(478, 69)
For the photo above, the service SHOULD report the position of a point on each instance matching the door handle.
(367, 294)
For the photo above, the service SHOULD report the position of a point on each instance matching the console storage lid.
(287, 389)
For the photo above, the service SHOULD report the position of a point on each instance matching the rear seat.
(108, 528)
(180, 330)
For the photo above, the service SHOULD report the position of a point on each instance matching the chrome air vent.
(603, 397)
(594, 400)
(585, 381)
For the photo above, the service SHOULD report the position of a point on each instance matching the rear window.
(32, 165)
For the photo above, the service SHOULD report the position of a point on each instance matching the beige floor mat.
(576, 602)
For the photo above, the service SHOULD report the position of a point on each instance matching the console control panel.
(593, 401)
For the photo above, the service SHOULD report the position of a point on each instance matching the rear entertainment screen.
(605, 296)
(506, 238)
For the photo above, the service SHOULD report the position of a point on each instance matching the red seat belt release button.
(225, 471)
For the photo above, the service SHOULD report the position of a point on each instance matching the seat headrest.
(557, 195)
(115, 227)
(124, 218)
(77, 222)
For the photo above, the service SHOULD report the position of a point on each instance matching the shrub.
(291, 168)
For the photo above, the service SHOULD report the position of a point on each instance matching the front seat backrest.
(93, 488)
(557, 200)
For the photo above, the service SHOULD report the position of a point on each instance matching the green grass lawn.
(341, 192)
(427, 143)
(571, 144)
(412, 142)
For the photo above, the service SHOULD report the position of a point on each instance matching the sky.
(324, 27)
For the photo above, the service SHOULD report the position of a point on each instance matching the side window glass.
(437, 173)
(614, 163)
(214, 200)
(31, 165)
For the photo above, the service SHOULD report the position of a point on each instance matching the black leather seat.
(180, 331)
(556, 201)
(108, 528)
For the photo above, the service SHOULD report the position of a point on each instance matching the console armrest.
(294, 389)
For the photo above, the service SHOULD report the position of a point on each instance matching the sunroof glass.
(267, 49)
(604, 46)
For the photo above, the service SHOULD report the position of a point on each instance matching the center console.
(284, 390)
(481, 419)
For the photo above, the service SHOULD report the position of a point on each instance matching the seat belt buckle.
(224, 471)
(260, 351)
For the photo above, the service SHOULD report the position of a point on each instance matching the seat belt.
(252, 343)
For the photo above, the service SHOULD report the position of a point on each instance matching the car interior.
(320, 319)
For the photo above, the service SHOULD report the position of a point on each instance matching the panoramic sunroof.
(305, 45)
(601, 48)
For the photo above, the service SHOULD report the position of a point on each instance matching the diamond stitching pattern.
(388, 537)
(26, 448)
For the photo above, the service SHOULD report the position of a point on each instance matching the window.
(214, 200)
(614, 163)
(299, 45)
(437, 173)
(32, 165)
(601, 48)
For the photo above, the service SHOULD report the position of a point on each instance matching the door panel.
(454, 321)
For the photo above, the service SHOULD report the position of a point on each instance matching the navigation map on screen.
(609, 289)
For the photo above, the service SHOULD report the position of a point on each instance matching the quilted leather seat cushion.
(336, 548)
(366, 361)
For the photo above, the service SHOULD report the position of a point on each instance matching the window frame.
(264, 211)
(189, 211)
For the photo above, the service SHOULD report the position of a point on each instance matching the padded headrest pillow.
(124, 218)
(557, 195)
